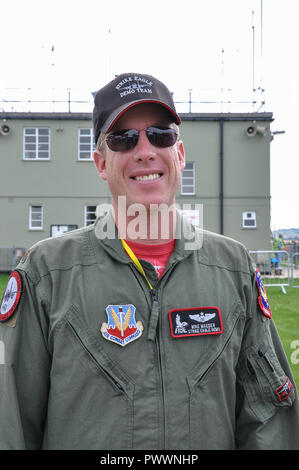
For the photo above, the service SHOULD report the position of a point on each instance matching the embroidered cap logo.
(130, 85)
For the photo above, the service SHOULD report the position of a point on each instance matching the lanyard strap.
(135, 260)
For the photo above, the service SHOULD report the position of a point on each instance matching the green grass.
(3, 282)
(285, 313)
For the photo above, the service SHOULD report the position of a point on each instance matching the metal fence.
(295, 271)
(278, 268)
(275, 267)
(9, 258)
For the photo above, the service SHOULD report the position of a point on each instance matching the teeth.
(152, 176)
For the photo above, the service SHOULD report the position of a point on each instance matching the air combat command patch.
(262, 298)
(121, 327)
(11, 297)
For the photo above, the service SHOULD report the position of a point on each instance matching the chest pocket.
(266, 385)
(85, 378)
(97, 358)
(212, 388)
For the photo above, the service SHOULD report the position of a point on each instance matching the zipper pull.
(154, 294)
(154, 316)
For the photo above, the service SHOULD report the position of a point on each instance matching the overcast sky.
(203, 45)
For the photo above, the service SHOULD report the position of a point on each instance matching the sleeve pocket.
(265, 383)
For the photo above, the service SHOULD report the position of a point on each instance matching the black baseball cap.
(124, 92)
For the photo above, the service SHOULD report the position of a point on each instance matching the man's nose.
(144, 150)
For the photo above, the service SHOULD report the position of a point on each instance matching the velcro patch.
(285, 389)
(11, 297)
(262, 298)
(195, 321)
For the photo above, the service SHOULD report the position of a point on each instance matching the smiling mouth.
(150, 177)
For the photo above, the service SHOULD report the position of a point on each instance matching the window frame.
(86, 212)
(182, 192)
(37, 143)
(31, 227)
(91, 143)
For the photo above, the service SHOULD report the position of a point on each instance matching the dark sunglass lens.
(122, 141)
(160, 137)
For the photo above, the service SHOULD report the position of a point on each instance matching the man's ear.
(181, 154)
(100, 163)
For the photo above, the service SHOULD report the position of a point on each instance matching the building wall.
(64, 185)
(247, 184)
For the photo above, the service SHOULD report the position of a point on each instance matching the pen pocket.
(266, 385)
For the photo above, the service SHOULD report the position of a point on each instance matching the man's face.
(127, 172)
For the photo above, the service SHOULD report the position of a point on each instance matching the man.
(278, 245)
(119, 337)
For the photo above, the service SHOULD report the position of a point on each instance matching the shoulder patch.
(262, 298)
(11, 296)
(285, 390)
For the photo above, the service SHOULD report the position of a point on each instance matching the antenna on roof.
(109, 48)
(222, 78)
(253, 51)
(52, 50)
(260, 87)
(261, 43)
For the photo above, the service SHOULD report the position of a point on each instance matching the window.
(36, 143)
(188, 179)
(90, 215)
(36, 217)
(249, 219)
(56, 230)
(86, 144)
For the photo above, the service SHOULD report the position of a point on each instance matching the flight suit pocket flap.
(266, 385)
(96, 353)
(215, 346)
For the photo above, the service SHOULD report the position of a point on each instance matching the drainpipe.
(221, 177)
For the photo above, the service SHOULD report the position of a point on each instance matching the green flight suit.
(65, 385)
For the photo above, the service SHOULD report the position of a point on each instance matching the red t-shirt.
(156, 254)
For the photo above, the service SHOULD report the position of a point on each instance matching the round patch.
(11, 296)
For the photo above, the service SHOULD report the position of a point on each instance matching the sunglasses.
(121, 141)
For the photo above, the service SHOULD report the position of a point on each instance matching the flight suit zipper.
(156, 338)
(155, 308)
(152, 336)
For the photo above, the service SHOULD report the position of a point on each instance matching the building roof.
(183, 116)
(226, 116)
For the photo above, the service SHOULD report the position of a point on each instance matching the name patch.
(195, 321)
